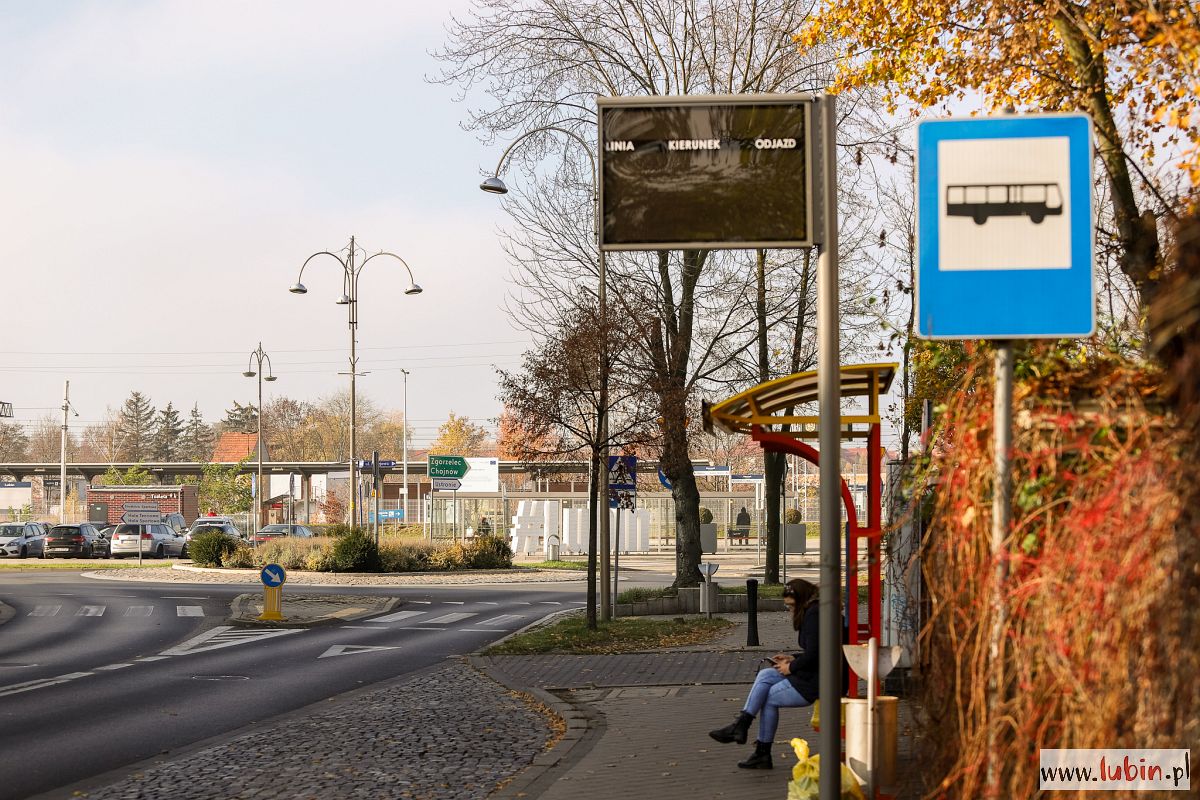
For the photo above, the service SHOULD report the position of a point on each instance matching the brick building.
(106, 504)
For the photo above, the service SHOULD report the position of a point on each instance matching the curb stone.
(582, 727)
(240, 614)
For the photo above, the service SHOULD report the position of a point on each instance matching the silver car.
(157, 540)
(21, 539)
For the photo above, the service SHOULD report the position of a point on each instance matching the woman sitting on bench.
(788, 681)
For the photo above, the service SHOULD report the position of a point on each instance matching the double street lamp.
(257, 357)
(351, 270)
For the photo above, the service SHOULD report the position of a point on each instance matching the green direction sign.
(448, 467)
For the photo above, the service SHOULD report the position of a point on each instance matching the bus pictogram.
(979, 201)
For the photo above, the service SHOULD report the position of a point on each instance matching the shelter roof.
(768, 403)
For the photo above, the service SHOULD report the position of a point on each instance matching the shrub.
(355, 551)
(320, 559)
(406, 556)
(241, 557)
(706, 516)
(210, 548)
(340, 529)
(793, 516)
(287, 552)
(489, 552)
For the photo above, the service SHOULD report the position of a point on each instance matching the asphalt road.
(96, 675)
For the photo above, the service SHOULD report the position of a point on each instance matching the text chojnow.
(624, 145)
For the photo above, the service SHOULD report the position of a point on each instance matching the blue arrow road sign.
(273, 575)
(1005, 227)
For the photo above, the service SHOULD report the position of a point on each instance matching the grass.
(622, 635)
(81, 563)
(640, 594)
(551, 564)
(764, 589)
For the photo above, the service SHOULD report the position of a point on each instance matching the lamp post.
(257, 357)
(404, 446)
(598, 495)
(350, 274)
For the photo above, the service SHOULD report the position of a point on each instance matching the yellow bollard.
(273, 577)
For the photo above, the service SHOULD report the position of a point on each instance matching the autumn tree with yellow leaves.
(1132, 65)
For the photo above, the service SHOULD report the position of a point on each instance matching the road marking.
(453, 602)
(579, 602)
(181, 597)
(549, 603)
(139, 611)
(421, 602)
(399, 615)
(449, 618)
(366, 627)
(41, 683)
(113, 666)
(189, 611)
(45, 611)
(521, 603)
(353, 649)
(422, 629)
(483, 630)
(153, 658)
(222, 636)
(503, 619)
(487, 603)
(345, 612)
(90, 611)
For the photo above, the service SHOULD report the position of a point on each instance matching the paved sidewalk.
(651, 713)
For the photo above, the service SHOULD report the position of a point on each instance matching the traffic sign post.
(1006, 251)
(273, 577)
(446, 484)
(141, 512)
(622, 495)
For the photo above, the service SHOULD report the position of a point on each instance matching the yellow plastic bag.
(805, 783)
(816, 715)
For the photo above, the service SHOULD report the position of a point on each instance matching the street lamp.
(257, 356)
(598, 498)
(349, 298)
(404, 445)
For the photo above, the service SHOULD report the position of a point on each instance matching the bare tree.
(543, 62)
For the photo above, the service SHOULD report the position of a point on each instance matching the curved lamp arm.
(413, 288)
(587, 148)
(314, 255)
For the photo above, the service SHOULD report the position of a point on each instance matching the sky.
(169, 166)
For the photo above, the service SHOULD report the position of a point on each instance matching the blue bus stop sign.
(1005, 227)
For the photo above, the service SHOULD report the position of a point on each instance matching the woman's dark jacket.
(805, 667)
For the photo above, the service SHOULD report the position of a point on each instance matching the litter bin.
(886, 730)
(552, 548)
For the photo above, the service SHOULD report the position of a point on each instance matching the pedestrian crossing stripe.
(503, 619)
(449, 618)
(397, 617)
(99, 611)
(223, 636)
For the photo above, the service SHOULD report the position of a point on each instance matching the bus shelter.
(761, 411)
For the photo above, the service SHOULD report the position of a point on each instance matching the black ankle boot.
(761, 758)
(735, 732)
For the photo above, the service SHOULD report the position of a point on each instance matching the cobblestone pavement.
(445, 733)
(298, 578)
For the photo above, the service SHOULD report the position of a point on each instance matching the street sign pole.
(375, 492)
(1001, 499)
(829, 401)
(616, 590)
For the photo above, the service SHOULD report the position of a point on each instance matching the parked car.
(177, 522)
(80, 540)
(105, 530)
(155, 541)
(21, 539)
(224, 527)
(271, 532)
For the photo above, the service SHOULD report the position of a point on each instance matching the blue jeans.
(771, 692)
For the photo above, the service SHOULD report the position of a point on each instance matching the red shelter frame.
(773, 403)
